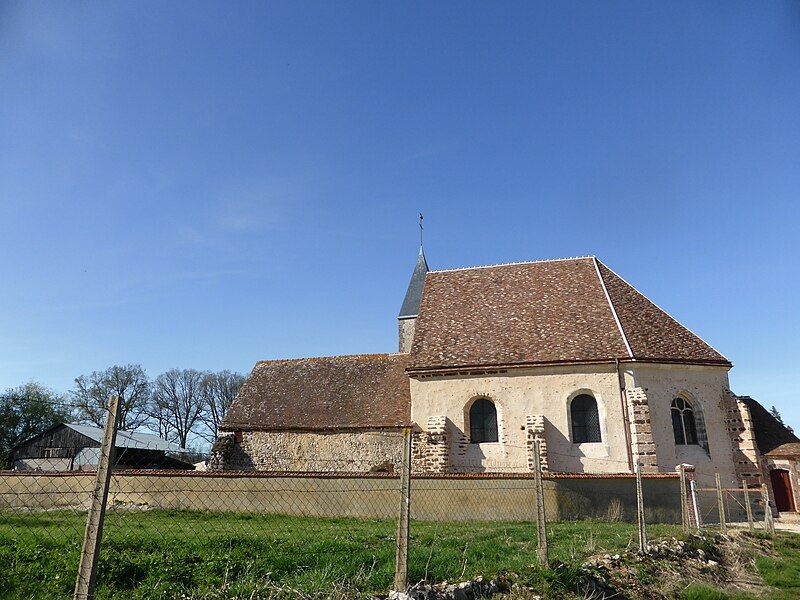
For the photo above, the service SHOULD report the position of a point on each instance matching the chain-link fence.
(185, 532)
(718, 502)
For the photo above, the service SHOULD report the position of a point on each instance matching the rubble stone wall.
(356, 451)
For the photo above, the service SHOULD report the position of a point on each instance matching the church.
(490, 360)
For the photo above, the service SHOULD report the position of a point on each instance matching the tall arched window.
(482, 422)
(684, 425)
(585, 419)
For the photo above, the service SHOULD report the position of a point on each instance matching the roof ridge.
(611, 306)
(511, 264)
(347, 356)
(646, 297)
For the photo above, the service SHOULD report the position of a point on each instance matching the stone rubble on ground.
(445, 590)
(595, 580)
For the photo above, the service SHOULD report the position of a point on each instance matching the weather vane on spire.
(420, 229)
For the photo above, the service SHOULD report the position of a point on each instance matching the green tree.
(26, 411)
(774, 412)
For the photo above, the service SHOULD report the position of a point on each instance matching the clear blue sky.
(204, 185)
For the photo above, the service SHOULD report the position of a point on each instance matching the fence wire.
(185, 532)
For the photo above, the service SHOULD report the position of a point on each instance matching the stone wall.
(534, 426)
(518, 394)
(643, 445)
(430, 447)
(375, 496)
(703, 387)
(739, 425)
(405, 334)
(356, 451)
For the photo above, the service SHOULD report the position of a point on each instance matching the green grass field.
(173, 554)
(168, 554)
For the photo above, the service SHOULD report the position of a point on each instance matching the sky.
(203, 185)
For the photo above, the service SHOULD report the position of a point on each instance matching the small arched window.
(684, 425)
(585, 419)
(482, 422)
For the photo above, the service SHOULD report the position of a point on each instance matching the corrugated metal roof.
(127, 439)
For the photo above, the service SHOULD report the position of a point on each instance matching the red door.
(782, 490)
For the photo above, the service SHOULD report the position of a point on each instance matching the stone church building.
(490, 360)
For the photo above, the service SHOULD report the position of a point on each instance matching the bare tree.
(219, 391)
(129, 382)
(178, 403)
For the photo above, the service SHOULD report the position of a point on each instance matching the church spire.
(407, 319)
(411, 302)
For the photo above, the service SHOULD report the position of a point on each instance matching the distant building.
(73, 447)
(779, 453)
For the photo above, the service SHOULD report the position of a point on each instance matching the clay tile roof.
(770, 433)
(790, 450)
(557, 311)
(360, 391)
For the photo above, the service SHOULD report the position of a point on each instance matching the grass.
(173, 554)
(782, 572)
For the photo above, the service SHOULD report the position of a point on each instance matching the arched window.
(585, 419)
(684, 425)
(482, 422)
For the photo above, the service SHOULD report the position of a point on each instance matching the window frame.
(678, 416)
(585, 427)
(486, 436)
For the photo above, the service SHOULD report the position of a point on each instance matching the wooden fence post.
(723, 526)
(401, 557)
(769, 521)
(640, 509)
(748, 509)
(684, 500)
(87, 571)
(541, 520)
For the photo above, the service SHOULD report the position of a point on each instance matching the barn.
(76, 447)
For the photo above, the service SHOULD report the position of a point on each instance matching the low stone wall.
(434, 498)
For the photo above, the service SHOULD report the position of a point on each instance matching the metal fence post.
(723, 526)
(541, 520)
(87, 571)
(640, 509)
(748, 509)
(769, 522)
(401, 558)
(684, 500)
(697, 518)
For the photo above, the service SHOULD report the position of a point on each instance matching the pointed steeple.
(411, 302)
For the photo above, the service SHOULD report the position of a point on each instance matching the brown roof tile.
(769, 432)
(790, 450)
(651, 332)
(543, 312)
(360, 391)
(551, 311)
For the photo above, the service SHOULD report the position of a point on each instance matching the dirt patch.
(665, 570)
(670, 566)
